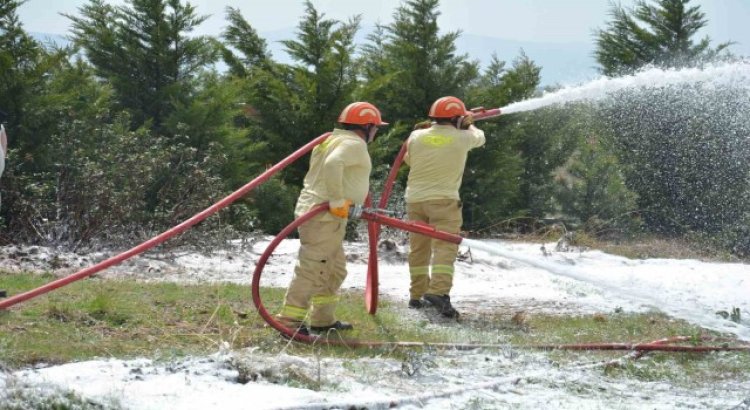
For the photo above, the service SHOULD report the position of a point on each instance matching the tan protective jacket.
(437, 157)
(339, 169)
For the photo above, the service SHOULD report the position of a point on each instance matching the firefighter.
(339, 174)
(436, 153)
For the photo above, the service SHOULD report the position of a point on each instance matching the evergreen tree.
(660, 34)
(288, 105)
(684, 152)
(19, 55)
(145, 52)
(325, 71)
(499, 175)
(592, 189)
(241, 36)
(406, 65)
(409, 64)
(25, 71)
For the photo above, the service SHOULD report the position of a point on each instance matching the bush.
(111, 185)
(592, 189)
(273, 205)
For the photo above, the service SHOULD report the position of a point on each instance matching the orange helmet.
(448, 107)
(361, 113)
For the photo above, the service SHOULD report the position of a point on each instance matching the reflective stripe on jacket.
(339, 169)
(437, 157)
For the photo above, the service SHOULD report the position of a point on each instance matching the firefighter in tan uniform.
(436, 156)
(339, 174)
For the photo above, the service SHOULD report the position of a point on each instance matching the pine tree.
(287, 105)
(500, 176)
(20, 58)
(409, 64)
(659, 34)
(144, 50)
(241, 36)
(291, 104)
(325, 71)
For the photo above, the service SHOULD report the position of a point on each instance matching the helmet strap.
(371, 130)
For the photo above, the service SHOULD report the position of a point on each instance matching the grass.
(638, 246)
(20, 399)
(683, 368)
(672, 248)
(125, 319)
(121, 318)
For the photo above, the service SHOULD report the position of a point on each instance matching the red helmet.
(361, 113)
(448, 107)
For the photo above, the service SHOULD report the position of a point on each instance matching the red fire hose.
(6, 303)
(371, 217)
(425, 229)
(371, 290)
(374, 221)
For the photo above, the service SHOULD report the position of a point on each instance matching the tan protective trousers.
(320, 270)
(431, 260)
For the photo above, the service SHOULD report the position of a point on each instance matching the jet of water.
(736, 74)
(634, 294)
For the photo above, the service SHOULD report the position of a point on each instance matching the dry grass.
(672, 248)
(123, 319)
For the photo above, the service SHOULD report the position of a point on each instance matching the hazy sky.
(526, 21)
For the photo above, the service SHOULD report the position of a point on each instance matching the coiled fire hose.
(374, 220)
(373, 217)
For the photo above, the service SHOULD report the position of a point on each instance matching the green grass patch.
(123, 318)
(682, 368)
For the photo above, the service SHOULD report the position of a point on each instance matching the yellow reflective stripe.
(445, 269)
(293, 312)
(323, 146)
(324, 300)
(419, 270)
(436, 140)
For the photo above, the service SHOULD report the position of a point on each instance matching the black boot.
(442, 303)
(299, 330)
(415, 304)
(337, 325)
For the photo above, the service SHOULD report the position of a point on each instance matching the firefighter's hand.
(464, 122)
(340, 208)
(423, 125)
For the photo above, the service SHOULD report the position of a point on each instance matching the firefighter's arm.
(333, 174)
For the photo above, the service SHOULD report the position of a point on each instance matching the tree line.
(132, 128)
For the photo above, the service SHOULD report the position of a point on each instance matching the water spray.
(375, 216)
(735, 74)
